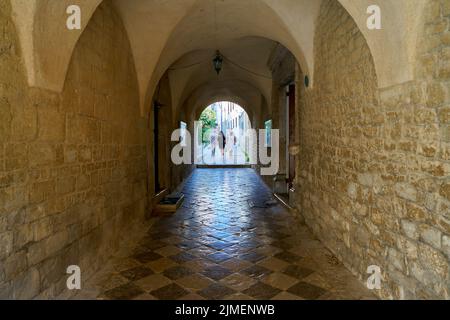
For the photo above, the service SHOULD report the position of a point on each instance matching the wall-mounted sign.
(183, 128)
(268, 127)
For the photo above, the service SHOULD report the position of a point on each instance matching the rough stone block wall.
(73, 166)
(375, 164)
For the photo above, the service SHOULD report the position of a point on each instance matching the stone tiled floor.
(237, 157)
(223, 244)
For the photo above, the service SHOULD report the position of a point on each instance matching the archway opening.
(223, 135)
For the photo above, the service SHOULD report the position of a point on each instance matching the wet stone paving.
(229, 240)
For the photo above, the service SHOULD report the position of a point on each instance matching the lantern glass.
(218, 62)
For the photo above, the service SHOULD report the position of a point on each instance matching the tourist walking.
(222, 142)
(213, 140)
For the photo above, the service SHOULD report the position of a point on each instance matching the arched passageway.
(360, 155)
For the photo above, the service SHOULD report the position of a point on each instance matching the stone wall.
(375, 164)
(73, 166)
(282, 65)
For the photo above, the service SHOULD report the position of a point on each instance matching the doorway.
(291, 134)
(224, 138)
(156, 148)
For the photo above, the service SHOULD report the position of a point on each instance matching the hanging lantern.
(218, 62)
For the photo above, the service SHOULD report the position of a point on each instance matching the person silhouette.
(213, 140)
(222, 142)
(234, 145)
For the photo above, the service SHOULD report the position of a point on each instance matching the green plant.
(247, 157)
(209, 121)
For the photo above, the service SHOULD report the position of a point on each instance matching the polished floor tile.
(229, 240)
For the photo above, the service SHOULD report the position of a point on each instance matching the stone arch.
(185, 82)
(393, 48)
(429, 12)
(239, 92)
(41, 26)
(189, 34)
(218, 98)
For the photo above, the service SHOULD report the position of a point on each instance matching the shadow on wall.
(73, 164)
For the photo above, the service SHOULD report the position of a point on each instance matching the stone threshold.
(283, 198)
(224, 166)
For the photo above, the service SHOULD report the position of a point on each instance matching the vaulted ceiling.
(175, 33)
